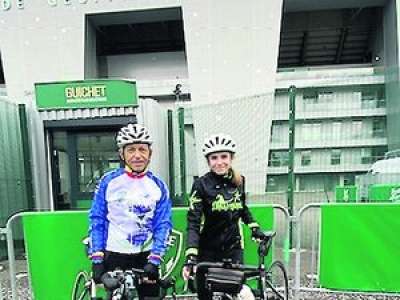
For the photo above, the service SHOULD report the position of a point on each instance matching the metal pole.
(3, 231)
(23, 124)
(182, 160)
(171, 155)
(11, 257)
(291, 178)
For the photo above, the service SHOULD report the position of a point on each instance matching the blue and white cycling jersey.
(130, 214)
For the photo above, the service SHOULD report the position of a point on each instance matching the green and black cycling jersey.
(216, 206)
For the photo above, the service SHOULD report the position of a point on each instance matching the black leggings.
(236, 255)
(113, 260)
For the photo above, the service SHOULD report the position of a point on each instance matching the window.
(306, 158)
(311, 131)
(378, 128)
(276, 183)
(348, 179)
(96, 155)
(336, 130)
(356, 130)
(373, 97)
(310, 96)
(278, 133)
(279, 159)
(335, 156)
(366, 156)
(325, 96)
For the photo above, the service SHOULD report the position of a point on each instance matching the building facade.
(342, 56)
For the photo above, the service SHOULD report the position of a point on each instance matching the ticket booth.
(80, 120)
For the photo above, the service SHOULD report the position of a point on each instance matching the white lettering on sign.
(5, 4)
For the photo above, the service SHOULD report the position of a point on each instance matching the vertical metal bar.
(3, 231)
(182, 160)
(171, 155)
(23, 125)
(11, 259)
(291, 178)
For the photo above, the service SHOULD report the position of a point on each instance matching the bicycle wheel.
(81, 287)
(276, 285)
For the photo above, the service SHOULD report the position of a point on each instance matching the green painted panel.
(384, 193)
(346, 193)
(54, 248)
(359, 248)
(86, 94)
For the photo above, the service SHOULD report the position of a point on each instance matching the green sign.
(359, 248)
(85, 94)
(56, 254)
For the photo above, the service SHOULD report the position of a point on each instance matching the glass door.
(79, 160)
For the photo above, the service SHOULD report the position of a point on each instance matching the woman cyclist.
(217, 199)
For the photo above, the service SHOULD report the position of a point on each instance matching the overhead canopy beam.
(343, 35)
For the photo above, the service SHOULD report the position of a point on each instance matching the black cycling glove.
(257, 234)
(151, 271)
(98, 270)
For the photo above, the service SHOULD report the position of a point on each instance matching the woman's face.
(220, 162)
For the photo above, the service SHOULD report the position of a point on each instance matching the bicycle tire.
(80, 290)
(276, 284)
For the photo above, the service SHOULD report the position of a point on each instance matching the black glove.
(151, 271)
(98, 270)
(257, 234)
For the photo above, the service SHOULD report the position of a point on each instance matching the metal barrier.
(313, 277)
(3, 233)
(11, 250)
(11, 253)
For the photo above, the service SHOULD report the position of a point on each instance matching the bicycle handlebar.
(113, 279)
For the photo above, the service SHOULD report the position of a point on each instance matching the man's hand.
(151, 272)
(98, 270)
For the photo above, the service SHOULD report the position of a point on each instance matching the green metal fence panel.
(384, 193)
(359, 248)
(56, 254)
(15, 183)
(346, 193)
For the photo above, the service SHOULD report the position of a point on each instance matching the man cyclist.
(130, 218)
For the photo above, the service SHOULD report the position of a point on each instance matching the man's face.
(136, 156)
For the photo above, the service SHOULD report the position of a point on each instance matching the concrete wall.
(391, 41)
(232, 47)
(148, 66)
(43, 41)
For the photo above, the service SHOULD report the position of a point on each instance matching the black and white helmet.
(133, 134)
(219, 143)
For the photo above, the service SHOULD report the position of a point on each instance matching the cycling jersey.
(222, 205)
(130, 214)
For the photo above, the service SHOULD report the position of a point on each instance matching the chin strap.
(133, 174)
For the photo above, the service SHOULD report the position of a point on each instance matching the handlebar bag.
(224, 280)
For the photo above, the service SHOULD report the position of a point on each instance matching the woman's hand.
(190, 267)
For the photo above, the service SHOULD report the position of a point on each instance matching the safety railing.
(308, 278)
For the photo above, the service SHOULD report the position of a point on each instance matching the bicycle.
(120, 285)
(225, 280)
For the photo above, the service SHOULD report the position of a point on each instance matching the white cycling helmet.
(133, 134)
(219, 143)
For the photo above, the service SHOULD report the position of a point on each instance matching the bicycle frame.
(249, 271)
